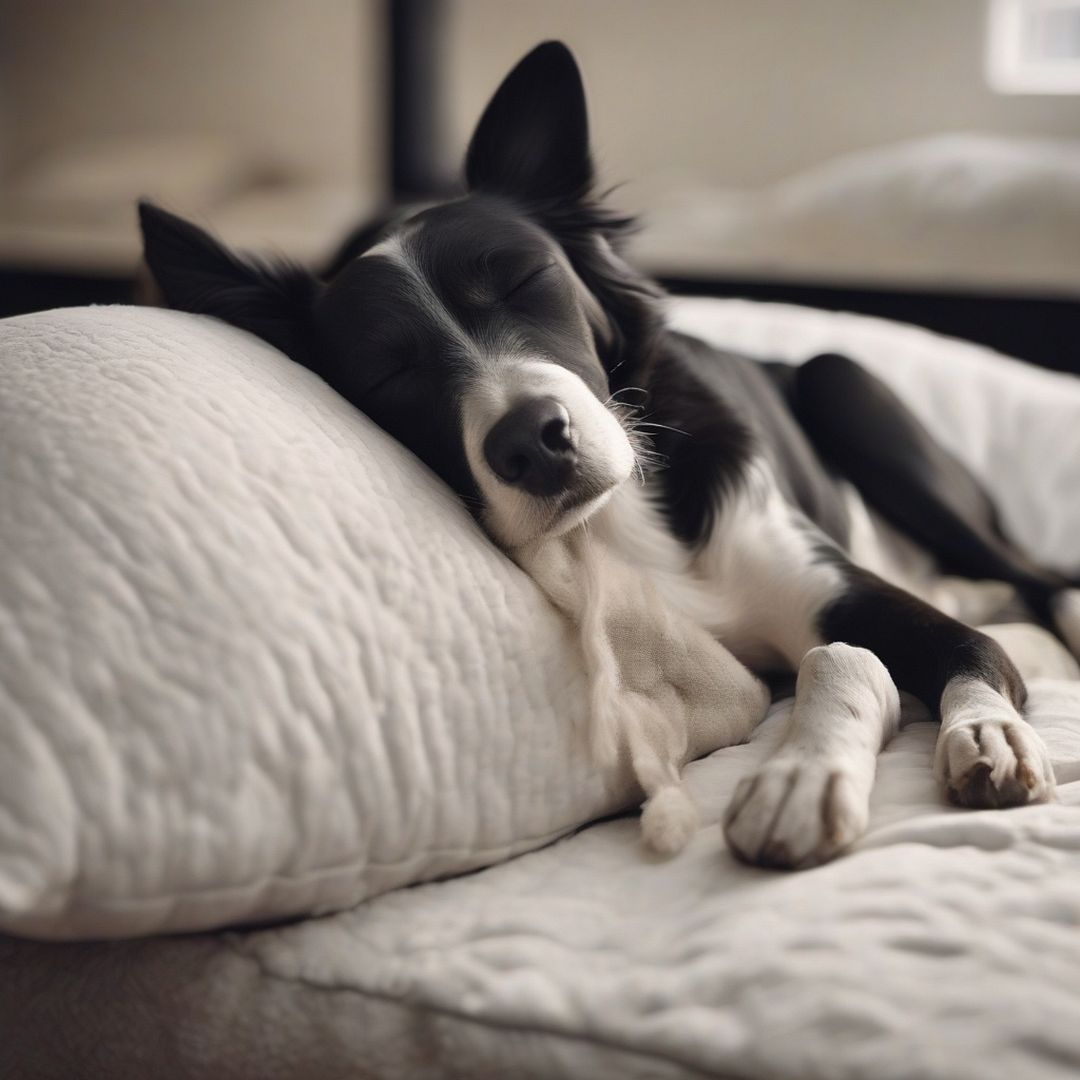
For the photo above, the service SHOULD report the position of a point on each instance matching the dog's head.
(486, 334)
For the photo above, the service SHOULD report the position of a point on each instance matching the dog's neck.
(623, 554)
(662, 689)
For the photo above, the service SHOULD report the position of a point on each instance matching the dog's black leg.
(811, 798)
(855, 639)
(867, 433)
(922, 648)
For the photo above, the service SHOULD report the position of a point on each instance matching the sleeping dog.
(501, 337)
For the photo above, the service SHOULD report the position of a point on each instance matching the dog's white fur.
(763, 564)
(513, 517)
(662, 689)
(650, 618)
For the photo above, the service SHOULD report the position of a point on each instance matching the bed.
(944, 945)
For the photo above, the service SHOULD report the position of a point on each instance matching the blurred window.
(1033, 46)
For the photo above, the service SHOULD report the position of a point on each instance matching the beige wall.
(730, 92)
(300, 81)
(741, 92)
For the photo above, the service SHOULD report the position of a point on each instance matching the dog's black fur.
(493, 259)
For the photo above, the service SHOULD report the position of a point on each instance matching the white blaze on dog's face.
(586, 450)
(469, 337)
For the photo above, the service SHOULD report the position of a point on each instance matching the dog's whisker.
(652, 458)
(626, 390)
(665, 427)
(623, 410)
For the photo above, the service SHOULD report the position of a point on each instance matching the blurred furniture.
(976, 236)
(257, 117)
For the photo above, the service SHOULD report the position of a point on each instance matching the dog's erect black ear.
(196, 273)
(533, 140)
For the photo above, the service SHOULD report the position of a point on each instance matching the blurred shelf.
(58, 261)
(304, 223)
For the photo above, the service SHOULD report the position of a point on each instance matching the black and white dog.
(494, 335)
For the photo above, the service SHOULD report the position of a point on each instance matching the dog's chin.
(578, 510)
(546, 519)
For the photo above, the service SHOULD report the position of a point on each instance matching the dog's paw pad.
(668, 820)
(994, 764)
(793, 814)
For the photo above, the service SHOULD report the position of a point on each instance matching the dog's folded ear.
(532, 142)
(196, 273)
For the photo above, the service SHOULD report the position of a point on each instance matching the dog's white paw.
(793, 814)
(993, 763)
(668, 820)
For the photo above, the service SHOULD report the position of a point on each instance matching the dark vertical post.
(417, 123)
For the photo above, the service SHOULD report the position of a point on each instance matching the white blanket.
(946, 945)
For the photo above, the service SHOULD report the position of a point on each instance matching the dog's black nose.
(532, 447)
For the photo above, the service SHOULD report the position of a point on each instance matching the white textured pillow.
(255, 661)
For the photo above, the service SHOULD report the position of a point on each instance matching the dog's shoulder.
(706, 439)
(716, 412)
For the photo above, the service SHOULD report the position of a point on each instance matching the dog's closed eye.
(529, 278)
(387, 379)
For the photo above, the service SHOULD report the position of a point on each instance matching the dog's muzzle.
(534, 447)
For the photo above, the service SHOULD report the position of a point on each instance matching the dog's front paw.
(793, 814)
(993, 763)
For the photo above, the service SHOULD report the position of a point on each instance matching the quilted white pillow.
(255, 661)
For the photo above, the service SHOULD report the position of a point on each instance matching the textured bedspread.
(947, 945)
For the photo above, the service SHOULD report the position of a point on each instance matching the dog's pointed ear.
(196, 273)
(533, 140)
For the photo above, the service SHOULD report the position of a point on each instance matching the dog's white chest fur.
(662, 689)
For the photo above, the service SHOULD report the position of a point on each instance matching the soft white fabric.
(256, 661)
(956, 210)
(945, 946)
